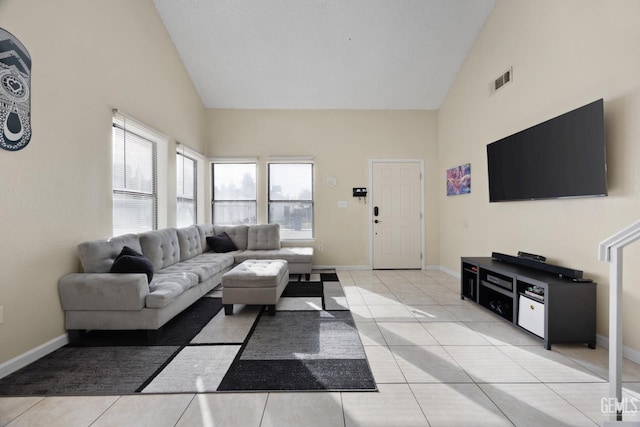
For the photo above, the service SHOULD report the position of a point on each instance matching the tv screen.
(562, 157)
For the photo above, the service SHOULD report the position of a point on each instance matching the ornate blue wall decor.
(15, 93)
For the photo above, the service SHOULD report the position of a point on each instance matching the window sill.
(297, 242)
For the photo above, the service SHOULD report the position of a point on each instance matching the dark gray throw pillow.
(221, 243)
(126, 250)
(131, 261)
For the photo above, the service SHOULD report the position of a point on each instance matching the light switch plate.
(342, 204)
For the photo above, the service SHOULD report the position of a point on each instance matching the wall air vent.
(501, 81)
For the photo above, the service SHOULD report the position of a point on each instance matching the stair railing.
(610, 250)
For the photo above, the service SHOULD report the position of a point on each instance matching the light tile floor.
(437, 360)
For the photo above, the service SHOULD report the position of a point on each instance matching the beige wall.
(564, 54)
(341, 143)
(88, 57)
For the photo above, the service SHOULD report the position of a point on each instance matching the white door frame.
(422, 216)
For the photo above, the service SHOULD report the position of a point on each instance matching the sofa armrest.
(103, 291)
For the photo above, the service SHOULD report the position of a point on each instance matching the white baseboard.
(455, 274)
(627, 353)
(19, 362)
(342, 267)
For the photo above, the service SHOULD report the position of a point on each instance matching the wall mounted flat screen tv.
(562, 157)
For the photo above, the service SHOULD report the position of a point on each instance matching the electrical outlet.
(1, 314)
(320, 248)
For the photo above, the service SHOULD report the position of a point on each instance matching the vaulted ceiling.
(323, 54)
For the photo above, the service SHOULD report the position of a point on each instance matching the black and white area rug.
(311, 344)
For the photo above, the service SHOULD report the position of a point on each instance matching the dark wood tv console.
(549, 306)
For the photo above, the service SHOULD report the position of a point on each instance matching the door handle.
(375, 211)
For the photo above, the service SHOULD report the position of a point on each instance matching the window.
(234, 193)
(187, 190)
(135, 194)
(291, 199)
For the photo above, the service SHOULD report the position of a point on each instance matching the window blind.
(234, 193)
(186, 191)
(135, 194)
(291, 199)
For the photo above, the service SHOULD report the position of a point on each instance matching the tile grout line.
(200, 397)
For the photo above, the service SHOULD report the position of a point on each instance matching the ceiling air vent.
(502, 80)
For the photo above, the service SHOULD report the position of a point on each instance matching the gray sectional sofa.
(184, 269)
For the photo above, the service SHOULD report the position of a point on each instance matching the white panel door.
(396, 203)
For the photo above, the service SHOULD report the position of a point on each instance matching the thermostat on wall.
(359, 192)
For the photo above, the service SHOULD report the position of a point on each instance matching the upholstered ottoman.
(255, 282)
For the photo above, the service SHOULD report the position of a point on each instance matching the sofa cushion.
(189, 241)
(97, 256)
(130, 261)
(205, 230)
(203, 266)
(237, 233)
(165, 287)
(223, 261)
(221, 243)
(264, 236)
(161, 247)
